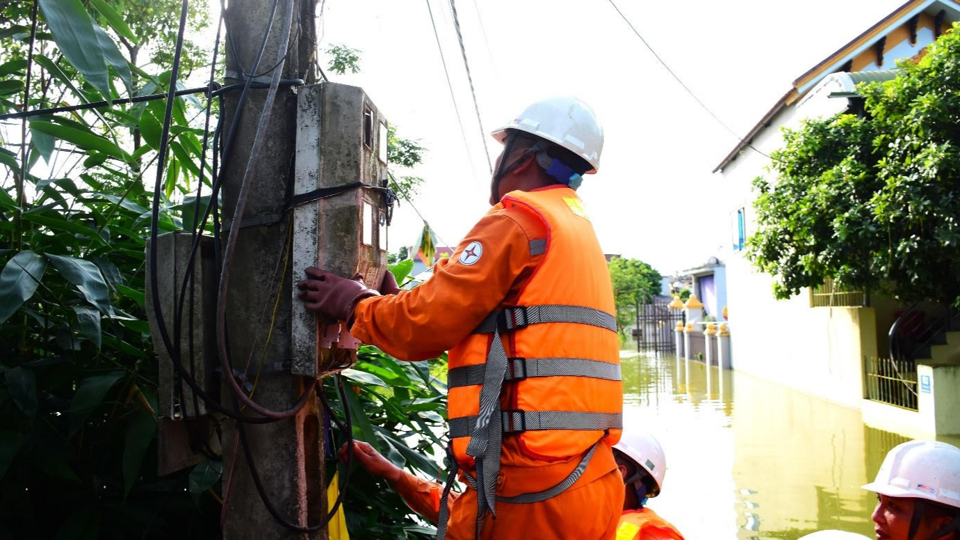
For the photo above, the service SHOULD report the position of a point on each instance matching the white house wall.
(787, 341)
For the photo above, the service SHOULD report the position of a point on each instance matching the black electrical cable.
(682, 84)
(473, 92)
(155, 292)
(215, 185)
(233, 48)
(345, 427)
(140, 99)
(178, 315)
(221, 316)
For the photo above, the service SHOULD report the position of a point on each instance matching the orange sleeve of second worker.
(424, 322)
(421, 496)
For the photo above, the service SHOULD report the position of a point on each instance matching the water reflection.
(748, 459)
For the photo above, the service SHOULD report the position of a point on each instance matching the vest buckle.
(517, 369)
(512, 319)
(513, 421)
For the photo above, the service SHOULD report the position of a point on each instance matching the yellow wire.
(276, 306)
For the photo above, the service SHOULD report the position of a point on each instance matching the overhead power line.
(473, 92)
(443, 60)
(677, 78)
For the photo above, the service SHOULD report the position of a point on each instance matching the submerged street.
(748, 459)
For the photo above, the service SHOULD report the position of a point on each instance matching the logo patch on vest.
(576, 206)
(471, 254)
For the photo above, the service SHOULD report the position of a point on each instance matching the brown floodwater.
(749, 459)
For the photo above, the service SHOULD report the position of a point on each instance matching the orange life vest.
(644, 524)
(545, 369)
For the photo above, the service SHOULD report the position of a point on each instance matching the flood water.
(749, 459)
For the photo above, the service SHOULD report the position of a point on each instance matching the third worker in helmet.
(918, 492)
(525, 308)
(643, 466)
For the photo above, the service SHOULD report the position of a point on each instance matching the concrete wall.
(938, 400)
(818, 351)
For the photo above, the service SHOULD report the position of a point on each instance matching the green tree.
(633, 281)
(872, 201)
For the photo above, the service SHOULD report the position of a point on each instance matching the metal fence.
(891, 381)
(698, 345)
(655, 323)
(831, 295)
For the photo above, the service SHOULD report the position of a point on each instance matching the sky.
(652, 198)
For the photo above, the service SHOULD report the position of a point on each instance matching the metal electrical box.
(183, 427)
(341, 142)
(197, 337)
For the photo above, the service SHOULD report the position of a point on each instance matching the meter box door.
(198, 350)
(340, 212)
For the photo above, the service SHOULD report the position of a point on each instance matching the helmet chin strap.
(919, 509)
(640, 489)
(503, 168)
(554, 167)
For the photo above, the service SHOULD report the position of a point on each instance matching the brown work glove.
(332, 296)
(389, 284)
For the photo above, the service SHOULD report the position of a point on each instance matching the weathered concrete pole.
(289, 453)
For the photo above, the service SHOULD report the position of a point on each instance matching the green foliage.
(633, 281)
(407, 154)
(78, 376)
(871, 202)
(343, 59)
(398, 407)
(684, 294)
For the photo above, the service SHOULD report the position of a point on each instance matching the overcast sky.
(652, 197)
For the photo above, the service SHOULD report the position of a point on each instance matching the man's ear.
(527, 161)
(623, 471)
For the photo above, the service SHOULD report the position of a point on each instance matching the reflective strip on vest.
(513, 421)
(486, 429)
(516, 318)
(523, 368)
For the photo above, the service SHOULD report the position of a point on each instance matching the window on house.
(383, 142)
(738, 229)
(368, 127)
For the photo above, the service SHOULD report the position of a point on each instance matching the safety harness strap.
(516, 318)
(444, 511)
(519, 369)
(486, 431)
(516, 421)
(540, 496)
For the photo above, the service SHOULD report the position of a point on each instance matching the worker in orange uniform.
(525, 308)
(643, 466)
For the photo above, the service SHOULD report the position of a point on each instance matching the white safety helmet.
(920, 470)
(834, 535)
(564, 121)
(646, 452)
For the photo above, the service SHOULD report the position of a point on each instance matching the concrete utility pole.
(289, 454)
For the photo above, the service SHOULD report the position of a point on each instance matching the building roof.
(836, 61)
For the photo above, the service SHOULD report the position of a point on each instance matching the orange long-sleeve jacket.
(424, 322)
(441, 313)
